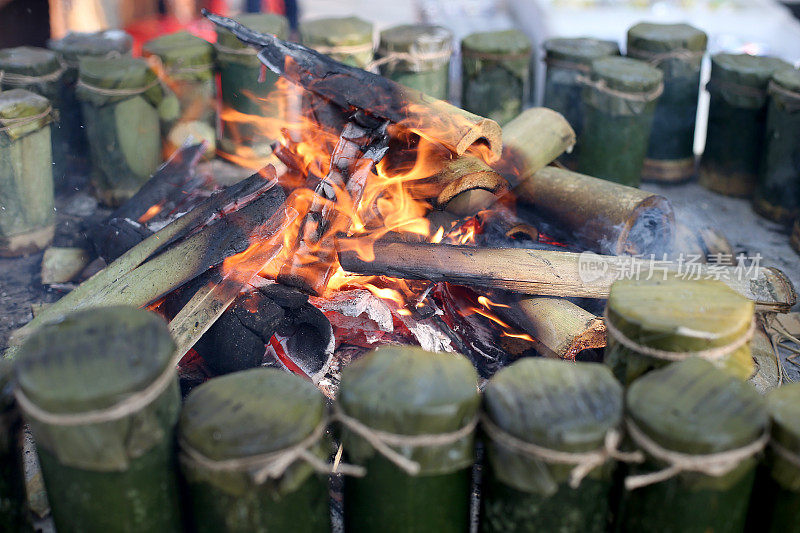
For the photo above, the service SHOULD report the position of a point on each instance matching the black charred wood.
(167, 188)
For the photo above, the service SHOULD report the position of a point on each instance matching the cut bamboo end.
(603, 216)
(560, 328)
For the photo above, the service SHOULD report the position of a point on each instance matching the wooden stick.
(560, 328)
(208, 303)
(350, 87)
(552, 273)
(600, 215)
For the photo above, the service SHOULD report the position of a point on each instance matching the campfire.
(383, 216)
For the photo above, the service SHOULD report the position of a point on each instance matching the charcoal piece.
(116, 236)
(237, 339)
(309, 334)
(285, 296)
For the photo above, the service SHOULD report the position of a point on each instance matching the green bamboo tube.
(244, 98)
(775, 505)
(12, 478)
(677, 318)
(619, 102)
(567, 59)
(348, 40)
(71, 48)
(778, 191)
(411, 395)
(417, 56)
(186, 65)
(41, 71)
(232, 430)
(101, 396)
(560, 406)
(123, 105)
(694, 410)
(737, 117)
(495, 74)
(795, 238)
(677, 50)
(27, 219)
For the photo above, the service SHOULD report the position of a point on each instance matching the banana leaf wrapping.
(679, 316)
(245, 100)
(495, 74)
(417, 56)
(241, 416)
(567, 59)
(407, 391)
(26, 173)
(775, 504)
(123, 105)
(185, 63)
(737, 116)
(70, 48)
(619, 103)
(12, 477)
(105, 474)
(693, 408)
(778, 190)
(41, 71)
(348, 40)
(677, 50)
(558, 405)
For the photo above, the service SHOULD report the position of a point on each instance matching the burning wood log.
(560, 328)
(126, 226)
(532, 140)
(603, 216)
(553, 273)
(119, 274)
(359, 148)
(350, 87)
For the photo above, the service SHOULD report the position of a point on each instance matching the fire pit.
(384, 216)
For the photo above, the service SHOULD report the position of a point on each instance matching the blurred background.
(760, 27)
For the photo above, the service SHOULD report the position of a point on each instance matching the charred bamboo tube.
(350, 87)
(466, 174)
(603, 216)
(553, 273)
(101, 397)
(560, 328)
(217, 205)
(532, 140)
